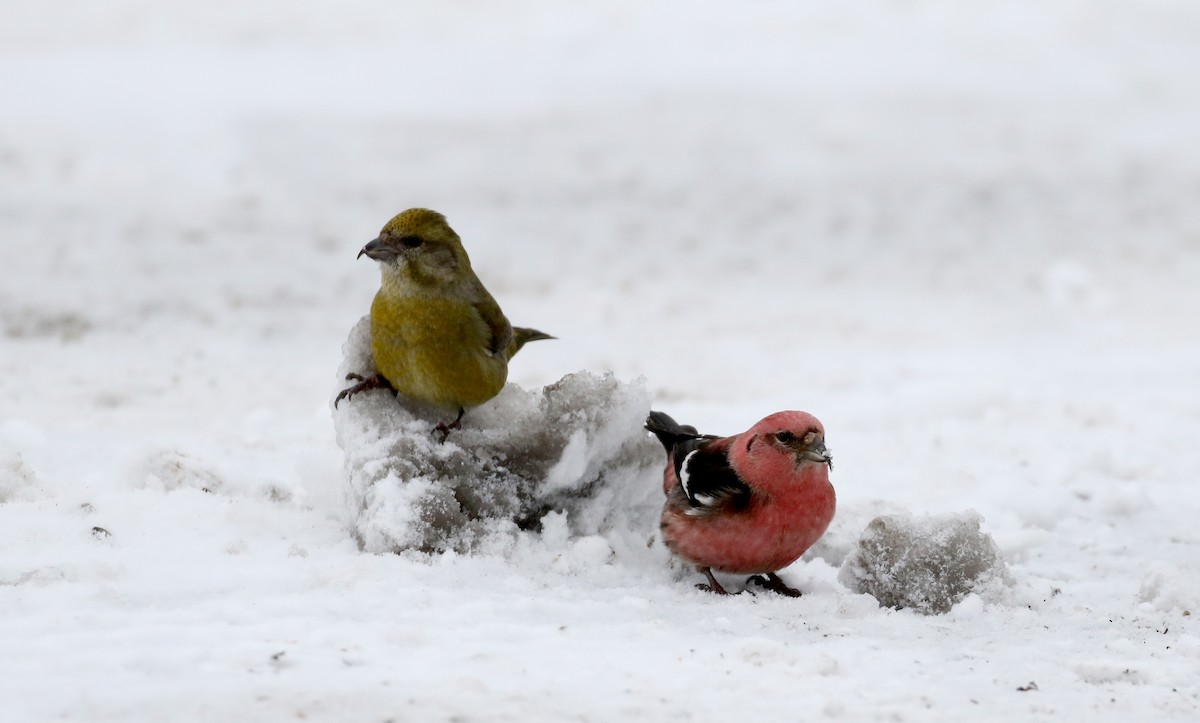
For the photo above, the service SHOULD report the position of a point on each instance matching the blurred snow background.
(967, 237)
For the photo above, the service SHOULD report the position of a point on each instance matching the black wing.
(702, 466)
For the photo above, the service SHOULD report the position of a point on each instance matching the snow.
(963, 236)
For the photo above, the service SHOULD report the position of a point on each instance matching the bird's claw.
(772, 582)
(444, 429)
(374, 381)
(712, 585)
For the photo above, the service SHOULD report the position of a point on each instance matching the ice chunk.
(576, 447)
(928, 564)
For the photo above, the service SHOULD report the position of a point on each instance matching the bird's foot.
(375, 381)
(772, 582)
(444, 429)
(712, 585)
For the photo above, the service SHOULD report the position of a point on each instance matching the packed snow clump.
(928, 564)
(575, 447)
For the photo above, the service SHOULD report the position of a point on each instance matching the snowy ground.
(967, 238)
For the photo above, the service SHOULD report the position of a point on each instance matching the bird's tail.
(668, 431)
(520, 337)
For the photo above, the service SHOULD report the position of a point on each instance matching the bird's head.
(419, 245)
(798, 435)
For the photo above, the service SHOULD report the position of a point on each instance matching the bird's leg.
(444, 428)
(375, 381)
(712, 586)
(772, 582)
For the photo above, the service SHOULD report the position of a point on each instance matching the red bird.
(747, 504)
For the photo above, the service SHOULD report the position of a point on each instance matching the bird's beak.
(812, 447)
(375, 249)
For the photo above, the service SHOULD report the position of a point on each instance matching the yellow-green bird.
(437, 335)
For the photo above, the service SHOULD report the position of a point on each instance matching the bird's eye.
(786, 437)
(412, 241)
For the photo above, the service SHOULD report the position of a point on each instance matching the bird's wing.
(497, 323)
(702, 466)
(669, 432)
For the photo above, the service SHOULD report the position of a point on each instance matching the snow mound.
(577, 447)
(928, 564)
(1169, 588)
(18, 478)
